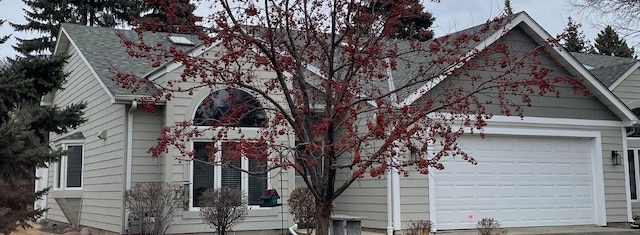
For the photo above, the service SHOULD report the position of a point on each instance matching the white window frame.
(62, 165)
(636, 160)
(217, 171)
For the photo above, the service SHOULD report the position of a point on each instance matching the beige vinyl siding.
(614, 178)
(629, 90)
(147, 127)
(414, 198)
(181, 107)
(103, 171)
(367, 198)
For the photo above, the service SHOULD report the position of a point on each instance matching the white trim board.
(557, 121)
(627, 186)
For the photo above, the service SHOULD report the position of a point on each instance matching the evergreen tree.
(105, 13)
(45, 16)
(507, 8)
(412, 22)
(24, 128)
(181, 20)
(609, 43)
(576, 41)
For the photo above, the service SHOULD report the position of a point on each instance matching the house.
(622, 76)
(559, 165)
(108, 154)
(553, 167)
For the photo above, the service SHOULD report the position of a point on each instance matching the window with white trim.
(210, 176)
(68, 171)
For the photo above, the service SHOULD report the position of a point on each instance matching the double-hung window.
(68, 171)
(207, 175)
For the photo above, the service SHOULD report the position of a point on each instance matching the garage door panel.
(521, 181)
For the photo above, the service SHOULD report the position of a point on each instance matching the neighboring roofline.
(64, 32)
(625, 75)
(622, 110)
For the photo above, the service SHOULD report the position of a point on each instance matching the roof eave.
(127, 99)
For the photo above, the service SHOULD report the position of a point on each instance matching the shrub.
(223, 208)
(489, 226)
(302, 205)
(154, 204)
(419, 227)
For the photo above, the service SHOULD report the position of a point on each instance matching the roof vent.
(181, 40)
(587, 67)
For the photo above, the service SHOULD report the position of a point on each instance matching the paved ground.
(563, 230)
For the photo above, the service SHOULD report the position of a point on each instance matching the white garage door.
(520, 181)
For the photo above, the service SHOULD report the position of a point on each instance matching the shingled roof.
(105, 53)
(607, 69)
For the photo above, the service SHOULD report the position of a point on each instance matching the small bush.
(223, 208)
(419, 227)
(302, 205)
(154, 204)
(490, 226)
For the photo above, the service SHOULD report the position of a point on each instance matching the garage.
(520, 180)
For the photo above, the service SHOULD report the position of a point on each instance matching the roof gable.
(102, 49)
(539, 35)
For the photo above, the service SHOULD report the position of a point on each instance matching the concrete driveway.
(563, 230)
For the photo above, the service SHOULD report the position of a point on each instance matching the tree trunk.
(323, 217)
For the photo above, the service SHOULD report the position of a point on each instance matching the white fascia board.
(556, 121)
(623, 111)
(624, 76)
(540, 121)
(86, 62)
(126, 99)
(470, 55)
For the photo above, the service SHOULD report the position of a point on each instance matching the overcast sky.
(451, 15)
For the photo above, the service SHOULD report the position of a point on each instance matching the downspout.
(134, 105)
(389, 204)
(129, 157)
(393, 178)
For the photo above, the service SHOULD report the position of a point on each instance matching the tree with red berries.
(335, 79)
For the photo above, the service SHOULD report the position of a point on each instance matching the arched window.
(230, 107)
(233, 108)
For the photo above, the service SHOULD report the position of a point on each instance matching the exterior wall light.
(615, 158)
